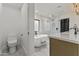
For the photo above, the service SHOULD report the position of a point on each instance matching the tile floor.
(19, 52)
(42, 51)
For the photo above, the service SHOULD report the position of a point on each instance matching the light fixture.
(76, 8)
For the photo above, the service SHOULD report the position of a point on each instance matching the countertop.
(39, 36)
(68, 36)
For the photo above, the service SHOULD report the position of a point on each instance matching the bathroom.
(27, 29)
(39, 29)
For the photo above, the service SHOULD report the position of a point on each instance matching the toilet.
(12, 43)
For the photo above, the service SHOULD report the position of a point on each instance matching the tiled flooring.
(19, 52)
(42, 51)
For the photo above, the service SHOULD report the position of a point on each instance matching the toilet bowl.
(12, 43)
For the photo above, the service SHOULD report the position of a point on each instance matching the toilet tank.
(12, 37)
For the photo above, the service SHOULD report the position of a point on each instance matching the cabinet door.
(62, 48)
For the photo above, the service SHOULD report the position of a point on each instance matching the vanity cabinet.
(63, 48)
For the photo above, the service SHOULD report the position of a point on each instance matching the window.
(64, 24)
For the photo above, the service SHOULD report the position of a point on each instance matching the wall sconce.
(76, 8)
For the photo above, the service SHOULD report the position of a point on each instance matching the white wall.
(28, 15)
(31, 28)
(74, 20)
(10, 20)
(24, 14)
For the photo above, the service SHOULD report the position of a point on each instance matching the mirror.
(36, 26)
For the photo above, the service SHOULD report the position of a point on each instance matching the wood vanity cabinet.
(63, 48)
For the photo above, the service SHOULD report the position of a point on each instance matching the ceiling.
(53, 9)
(46, 9)
(13, 5)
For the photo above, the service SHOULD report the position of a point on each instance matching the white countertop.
(69, 37)
(39, 36)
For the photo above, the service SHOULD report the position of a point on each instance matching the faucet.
(75, 29)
